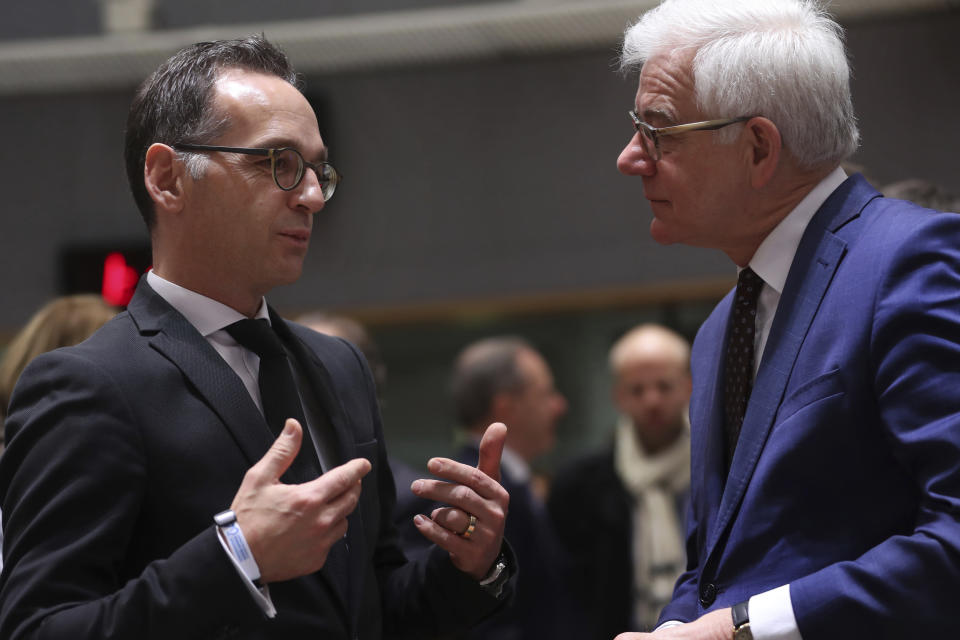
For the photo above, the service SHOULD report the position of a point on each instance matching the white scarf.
(654, 481)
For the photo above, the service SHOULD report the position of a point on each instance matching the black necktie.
(278, 391)
(738, 359)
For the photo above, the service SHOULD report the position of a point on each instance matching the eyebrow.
(279, 143)
(653, 114)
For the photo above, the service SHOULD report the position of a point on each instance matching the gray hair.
(924, 193)
(781, 59)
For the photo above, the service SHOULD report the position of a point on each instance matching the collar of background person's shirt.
(510, 462)
(775, 254)
(515, 466)
(205, 314)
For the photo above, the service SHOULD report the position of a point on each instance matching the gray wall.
(471, 181)
(462, 181)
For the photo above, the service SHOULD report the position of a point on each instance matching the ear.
(163, 176)
(766, 145)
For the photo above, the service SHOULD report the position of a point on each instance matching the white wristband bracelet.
(230, 530)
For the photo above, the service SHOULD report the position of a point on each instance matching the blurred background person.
(619, 511)
(925, 193)
(408, 504)
(504, 379)
(62, 322)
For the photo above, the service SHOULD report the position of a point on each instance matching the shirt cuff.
(668, 624)
(262, 595)
(771, 615)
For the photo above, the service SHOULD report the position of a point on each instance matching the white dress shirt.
(771, 612)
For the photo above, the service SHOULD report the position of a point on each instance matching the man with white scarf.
(620, 510)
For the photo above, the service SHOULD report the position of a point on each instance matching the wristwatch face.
(743, 632)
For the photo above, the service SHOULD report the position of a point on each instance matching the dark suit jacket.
(121, 450)
(591, 511)
(541, 606)
(846, 478)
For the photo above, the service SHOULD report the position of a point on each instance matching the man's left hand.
(716, 625)
(470, 492)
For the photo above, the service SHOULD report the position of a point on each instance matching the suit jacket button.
(708, 593)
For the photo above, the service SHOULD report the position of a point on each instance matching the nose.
(308, 195)
(634, 160)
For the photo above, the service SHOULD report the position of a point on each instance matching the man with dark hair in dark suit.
(141, 490)
(504, 379)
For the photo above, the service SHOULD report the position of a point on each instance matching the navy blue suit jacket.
(120, 451)
(846, 478)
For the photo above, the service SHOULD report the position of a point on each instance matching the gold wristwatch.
(741, 621)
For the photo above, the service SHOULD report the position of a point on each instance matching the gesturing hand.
(291, 527)
(470, 492)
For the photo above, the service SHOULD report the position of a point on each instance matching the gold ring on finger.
(471, 527)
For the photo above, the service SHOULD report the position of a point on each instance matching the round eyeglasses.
(286, 163)
(650, 136)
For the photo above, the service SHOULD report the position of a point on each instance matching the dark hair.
(481, 371)
(174, 104)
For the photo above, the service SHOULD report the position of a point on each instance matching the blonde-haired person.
(620, 509)
(62, 322)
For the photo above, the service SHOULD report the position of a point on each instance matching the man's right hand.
(291, 527)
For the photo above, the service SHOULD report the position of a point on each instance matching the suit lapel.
(176, 339)
(708, 472)
(346, 581)
(169, 333)
(817, 259)
(321, 385)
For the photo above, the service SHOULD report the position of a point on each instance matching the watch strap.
(740, 613)
(741, 621)
(497, 577)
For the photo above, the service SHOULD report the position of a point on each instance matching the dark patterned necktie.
(738, 358)
(278, 391)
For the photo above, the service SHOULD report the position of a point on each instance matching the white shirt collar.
(511, 462)
(206, 314)
(515, 466)
(775, 254)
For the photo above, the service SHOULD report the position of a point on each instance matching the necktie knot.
(749, 285)
(256, 335)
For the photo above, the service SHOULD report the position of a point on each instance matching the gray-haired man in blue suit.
(825, 415)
